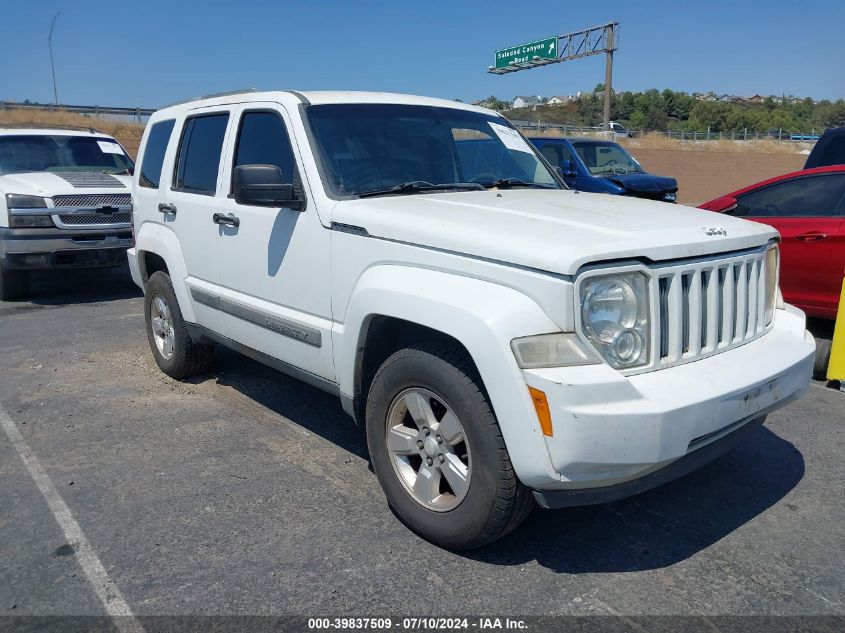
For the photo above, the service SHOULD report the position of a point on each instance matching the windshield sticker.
(510, 138)
(108, 147)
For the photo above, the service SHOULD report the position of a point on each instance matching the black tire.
(822, 360)
(14, 284)
(496, 502)
(188, 358)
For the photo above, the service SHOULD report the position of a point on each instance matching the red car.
(808, 209)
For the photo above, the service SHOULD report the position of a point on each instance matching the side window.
(811, 196)
(551, 153)
(556, 154)
(199, 153)
(263, 140)
(154, 153)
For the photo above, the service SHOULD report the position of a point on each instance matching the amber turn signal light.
(541, 405)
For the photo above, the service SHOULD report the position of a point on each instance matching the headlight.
(772, 270)
(615, 318)
(29, 221)
(552, 350)
(20, 201)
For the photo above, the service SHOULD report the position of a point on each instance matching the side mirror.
(725, 204)
(732, 204)
(567, 169)
(263, 186)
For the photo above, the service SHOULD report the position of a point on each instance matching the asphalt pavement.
(243, 491)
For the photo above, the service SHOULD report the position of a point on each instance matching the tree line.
(680, 111)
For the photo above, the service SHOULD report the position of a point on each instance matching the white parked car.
(502, 338)
(65, 202)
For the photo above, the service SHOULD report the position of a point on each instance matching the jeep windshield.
(386, 149)
(61, 153)
(603, 157)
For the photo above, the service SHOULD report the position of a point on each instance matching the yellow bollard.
(836, 366)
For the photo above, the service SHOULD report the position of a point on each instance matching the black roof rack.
(211, 96)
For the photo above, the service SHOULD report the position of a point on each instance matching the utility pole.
(52, 65)
(608, 74)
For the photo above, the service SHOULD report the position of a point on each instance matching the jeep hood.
(643, 183)
(49, 184)
(554, 231)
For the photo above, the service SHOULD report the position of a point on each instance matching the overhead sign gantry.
(562, 48)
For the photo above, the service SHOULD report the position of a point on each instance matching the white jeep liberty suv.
(503, 340)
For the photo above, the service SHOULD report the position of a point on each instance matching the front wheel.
(822, 359)
(438, 452)
(14, 284)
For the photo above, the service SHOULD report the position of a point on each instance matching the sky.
(153, 52)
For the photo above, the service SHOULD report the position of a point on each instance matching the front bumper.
(610, 429)
(43, 248)
(135, 267)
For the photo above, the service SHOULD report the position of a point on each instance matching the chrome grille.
(92, 200)
(96, 218)
(707, 307)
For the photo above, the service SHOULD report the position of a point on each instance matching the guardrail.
(139, 115)
(707, 135)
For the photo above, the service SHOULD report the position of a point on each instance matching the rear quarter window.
(154, 152)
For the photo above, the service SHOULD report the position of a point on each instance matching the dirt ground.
(703, 176)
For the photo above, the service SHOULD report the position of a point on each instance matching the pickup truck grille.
(93, 200)
(96, 218)
(707, 307)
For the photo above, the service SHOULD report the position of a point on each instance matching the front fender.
(155, 238)
(484, 317)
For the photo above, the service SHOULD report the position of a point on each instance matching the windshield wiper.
(421, 185)
(508, 183)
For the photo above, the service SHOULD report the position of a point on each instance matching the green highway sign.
(526, 53)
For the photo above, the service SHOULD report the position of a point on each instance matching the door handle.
(228, 219)
(811, 236)
(168, 209)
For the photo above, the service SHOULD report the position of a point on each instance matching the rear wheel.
(438, 452)
(176, 354)
(14, 284)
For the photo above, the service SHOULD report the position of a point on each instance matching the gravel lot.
(246, 492)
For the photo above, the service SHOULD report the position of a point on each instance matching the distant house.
(706, 96)
(527, 102)
(755, 99)
(559, 100)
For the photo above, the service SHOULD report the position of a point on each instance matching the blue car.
(600, 166)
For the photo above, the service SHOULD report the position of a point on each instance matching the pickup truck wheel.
(438, 452)
(176, 354)
(14, 284)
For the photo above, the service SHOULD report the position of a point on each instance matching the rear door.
(191, 204)
(807, 211)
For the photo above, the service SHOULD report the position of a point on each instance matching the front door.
(276, 261)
